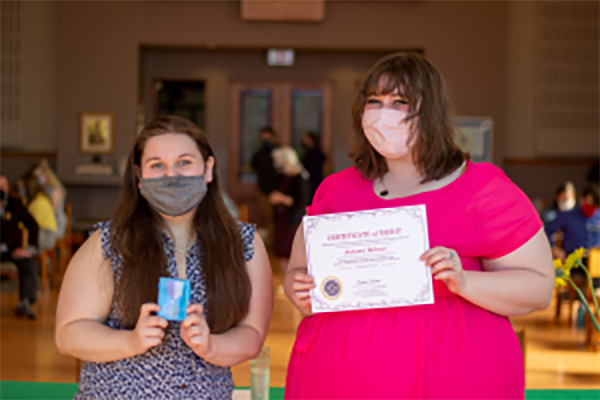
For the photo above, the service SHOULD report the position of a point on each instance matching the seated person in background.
(572, 224)
(17, 190)
(589, 206)
(564, 200)
(40, 208)
(15, 219)
(55, 191)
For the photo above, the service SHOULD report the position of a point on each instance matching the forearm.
(92, 341)
(508, 292)
(235, 346)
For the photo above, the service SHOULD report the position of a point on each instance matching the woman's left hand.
(195, 331)
(446, 266)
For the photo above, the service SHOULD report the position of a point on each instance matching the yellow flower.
(559, 273)
(572, 260)
(557, 263)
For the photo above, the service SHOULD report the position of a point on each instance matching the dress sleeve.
(507, 219)
(325, 197)
(247, 233)
(317, 205)
(105, 228)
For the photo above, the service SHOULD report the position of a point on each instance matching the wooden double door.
(292, 109)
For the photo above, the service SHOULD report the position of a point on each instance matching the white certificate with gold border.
(368, 259)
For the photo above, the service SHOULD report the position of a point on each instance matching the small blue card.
(173, 298)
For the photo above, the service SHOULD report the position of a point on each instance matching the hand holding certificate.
(368, 259)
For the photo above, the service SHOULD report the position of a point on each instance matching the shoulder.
(335, 187)
(299, 178)
(485, 180)
(103, 235)
(484, 171)
(246, 229)
(40, 200)
(346, 177)
(92, 249)
(15, 205)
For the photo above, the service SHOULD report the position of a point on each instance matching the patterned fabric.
(171, 370)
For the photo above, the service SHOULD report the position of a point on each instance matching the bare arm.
(84, 304)
(244, 341)
(296, 282)
(515, 284)
(56, 198)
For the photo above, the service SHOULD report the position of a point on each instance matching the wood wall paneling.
(283, 10)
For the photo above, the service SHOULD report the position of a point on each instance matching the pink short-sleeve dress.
(451, 349)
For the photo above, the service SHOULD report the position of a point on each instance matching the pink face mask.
(387, 131)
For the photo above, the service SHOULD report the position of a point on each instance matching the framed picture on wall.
(96, 133)
(474, 136)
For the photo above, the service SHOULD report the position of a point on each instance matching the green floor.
(52, 391)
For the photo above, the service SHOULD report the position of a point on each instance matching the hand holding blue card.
(173, 298)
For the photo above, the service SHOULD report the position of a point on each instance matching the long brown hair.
(137, 237)
(33, 187)
(434, 151)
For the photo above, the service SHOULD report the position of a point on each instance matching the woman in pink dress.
(489, 258)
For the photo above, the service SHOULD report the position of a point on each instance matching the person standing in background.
(267, 179)
(289, 201)
(313, 160)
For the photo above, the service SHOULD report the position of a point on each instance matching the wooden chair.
(59, 256)
(243, 208)
(8, 269)
(47, 257)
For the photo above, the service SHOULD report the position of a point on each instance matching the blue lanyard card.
(173, 298)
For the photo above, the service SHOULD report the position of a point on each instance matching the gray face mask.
(174, 195)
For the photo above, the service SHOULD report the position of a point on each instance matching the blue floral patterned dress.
(168, 371)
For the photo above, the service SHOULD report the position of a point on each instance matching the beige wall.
(519, 140)
(39, 75)
(99, 42)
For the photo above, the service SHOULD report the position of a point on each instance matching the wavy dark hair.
(136, 236)
(434, 151)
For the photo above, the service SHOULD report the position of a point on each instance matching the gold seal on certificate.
(331, 288)
(368, 259)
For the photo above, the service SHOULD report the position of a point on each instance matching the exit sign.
(280, 57)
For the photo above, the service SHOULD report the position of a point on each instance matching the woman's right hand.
(149, 330)
(298, 285)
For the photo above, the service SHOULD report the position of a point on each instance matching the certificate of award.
(368, 259)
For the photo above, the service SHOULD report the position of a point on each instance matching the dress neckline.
(466, 166)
